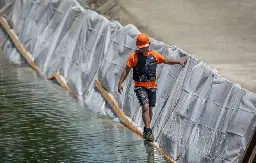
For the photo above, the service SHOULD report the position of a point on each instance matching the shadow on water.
(41, 122)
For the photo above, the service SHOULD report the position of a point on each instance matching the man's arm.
(171, 61)
(123, 77)
(162, 59)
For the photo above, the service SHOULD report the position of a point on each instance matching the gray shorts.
(146, 96)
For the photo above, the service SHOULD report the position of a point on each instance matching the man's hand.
(171, 61)
(120, 88)
(122, 78)
(184, 61)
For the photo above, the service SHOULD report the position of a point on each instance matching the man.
(144, 63)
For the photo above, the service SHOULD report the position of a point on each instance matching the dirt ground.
(221, 33)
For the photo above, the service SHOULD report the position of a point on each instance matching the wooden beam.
(59, 78)
(18, 44)
(62, 82)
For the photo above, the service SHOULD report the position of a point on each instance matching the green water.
(41, 122)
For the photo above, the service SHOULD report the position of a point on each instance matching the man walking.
(144, 63)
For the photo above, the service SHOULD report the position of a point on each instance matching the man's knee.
(145, 108)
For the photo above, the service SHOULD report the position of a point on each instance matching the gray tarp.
(199, 115)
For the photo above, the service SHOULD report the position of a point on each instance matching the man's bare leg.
(150, 113)
(146, 115)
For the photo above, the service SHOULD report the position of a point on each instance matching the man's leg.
(150, 113)
(146, 115)
(142, 96)
(152, 101)
(147, 133)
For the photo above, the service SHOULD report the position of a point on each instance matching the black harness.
(145, 69)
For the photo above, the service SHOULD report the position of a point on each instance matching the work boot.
(148, 135)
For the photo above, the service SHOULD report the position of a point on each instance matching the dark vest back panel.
(145, 69)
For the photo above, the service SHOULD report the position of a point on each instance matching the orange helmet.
(142, 40)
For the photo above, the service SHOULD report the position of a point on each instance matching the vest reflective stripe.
(145, 69)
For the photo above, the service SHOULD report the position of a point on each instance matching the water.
(41, 122)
